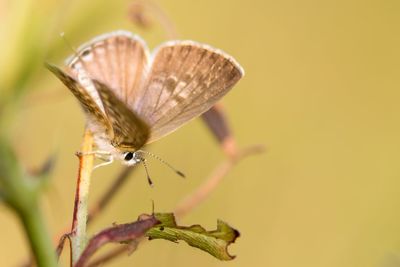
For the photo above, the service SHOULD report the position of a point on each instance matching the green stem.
(41, 245)
(79, 221)
(21, 193)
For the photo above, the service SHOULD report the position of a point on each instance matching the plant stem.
(78, 229)
(21, 194)
(209, 185)
(39, 240)
(112, 190)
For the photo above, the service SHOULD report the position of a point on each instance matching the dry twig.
(106, 198)
(79, 221)
(204, 190)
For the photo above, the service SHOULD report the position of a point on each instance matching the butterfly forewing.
(130, 132)
(185, 80)
(117, 59)
(92, 110)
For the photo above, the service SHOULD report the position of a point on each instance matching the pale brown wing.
(117, 59)
(185, 80)
(130, 132)
(92, 110)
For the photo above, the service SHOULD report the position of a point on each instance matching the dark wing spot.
(187, 77)
(170, 83)
(85, 52)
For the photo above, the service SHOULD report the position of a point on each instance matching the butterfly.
(132, 97)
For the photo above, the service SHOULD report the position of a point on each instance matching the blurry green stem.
(39, 241)
(79, 221)
(21, 193)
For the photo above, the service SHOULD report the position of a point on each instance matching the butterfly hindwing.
(185, 80)
(130, 132)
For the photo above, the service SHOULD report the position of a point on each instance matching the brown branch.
(109, 256)
(61, 244)
(217, 123)
(110, 193)
(137, 14)
(204, 190)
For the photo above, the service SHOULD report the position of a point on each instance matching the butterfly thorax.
(125, 156)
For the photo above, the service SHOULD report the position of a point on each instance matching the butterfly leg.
(107, 162)
(102, 155)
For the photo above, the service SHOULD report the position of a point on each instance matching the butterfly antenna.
(163, 161)
(62, 35)
(74, 51)
(147, 172)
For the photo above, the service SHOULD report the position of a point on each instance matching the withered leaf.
(214, 242)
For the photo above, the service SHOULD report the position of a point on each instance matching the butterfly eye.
(128, 156)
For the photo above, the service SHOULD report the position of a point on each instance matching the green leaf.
(214, 242)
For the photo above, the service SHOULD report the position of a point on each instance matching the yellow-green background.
(321, 92)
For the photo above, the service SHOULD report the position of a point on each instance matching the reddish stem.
(123, 233)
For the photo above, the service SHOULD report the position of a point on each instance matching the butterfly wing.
(125, 130)
(185, 80)
(95, 115)
(117, 59)
(130, 132)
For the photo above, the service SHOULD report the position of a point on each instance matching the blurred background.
(321, 92)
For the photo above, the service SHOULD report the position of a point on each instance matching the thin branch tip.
(181, 174)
